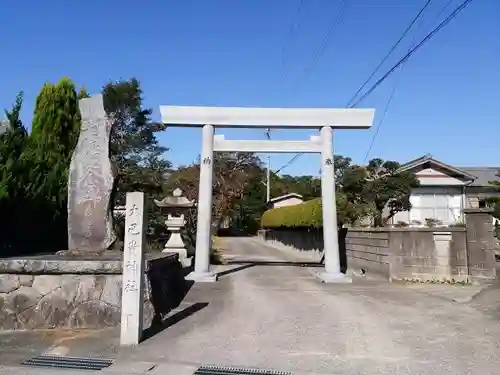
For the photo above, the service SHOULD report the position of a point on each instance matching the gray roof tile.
(484, 174)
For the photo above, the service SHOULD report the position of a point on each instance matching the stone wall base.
(69, 301)
(40, 292)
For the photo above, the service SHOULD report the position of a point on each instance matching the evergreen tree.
(34, 171)
(12, 144)
(134, 149)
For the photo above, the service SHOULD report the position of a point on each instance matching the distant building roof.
(428, 159)
(284, 197)
(479, 176)
(483, 175)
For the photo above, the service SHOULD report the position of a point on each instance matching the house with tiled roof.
(445, 190)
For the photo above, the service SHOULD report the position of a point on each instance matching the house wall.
(433, 177)
(441, 197)
(287, 202)
(444, 203)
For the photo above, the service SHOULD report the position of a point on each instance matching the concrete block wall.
(368, 250)
(437, 254)
(410, 253)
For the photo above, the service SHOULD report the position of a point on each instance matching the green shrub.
(305, 215)
(310, 214)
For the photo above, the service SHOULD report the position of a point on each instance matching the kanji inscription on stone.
(91, 181)
(133, 270)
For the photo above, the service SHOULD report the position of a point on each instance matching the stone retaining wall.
(368, 250)
(437, 254)
(47, 292)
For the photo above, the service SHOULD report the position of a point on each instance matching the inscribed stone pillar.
(90, 182)
(133, 270)
(480, 243)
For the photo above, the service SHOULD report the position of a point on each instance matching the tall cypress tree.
(55, 130)
(56, 120)
(34, 173)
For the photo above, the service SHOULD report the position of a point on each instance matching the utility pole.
(268, 179)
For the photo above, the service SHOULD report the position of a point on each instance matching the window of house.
(444, 207)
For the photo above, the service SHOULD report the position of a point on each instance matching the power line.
(289, 163)
(393, 92)
(444, 8)
(393, 48)
(326, 41)
(391, 96)
(267, 133)
(401, 61)
(412, 51)
(294, 27)
(344, 6)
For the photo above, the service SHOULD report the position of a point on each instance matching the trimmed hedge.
(304, 215)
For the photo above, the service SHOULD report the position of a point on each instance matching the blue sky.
(242, 53)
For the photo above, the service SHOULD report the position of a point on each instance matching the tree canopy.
(34, 171)
(380, 188)
(34, 167)
(240, 191)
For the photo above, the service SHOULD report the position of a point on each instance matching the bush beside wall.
(304, 215)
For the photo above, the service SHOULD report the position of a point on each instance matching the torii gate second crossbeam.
(324, 119)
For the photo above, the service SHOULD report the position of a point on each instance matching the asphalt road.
(278, 316)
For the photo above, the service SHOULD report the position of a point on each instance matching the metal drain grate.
(68, 362)
(223, 370)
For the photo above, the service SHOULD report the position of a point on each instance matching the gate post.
(201, 271)
(332, 272)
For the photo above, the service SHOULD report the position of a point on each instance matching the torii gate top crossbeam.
(243, 117)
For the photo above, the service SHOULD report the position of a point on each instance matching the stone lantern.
(176, 206)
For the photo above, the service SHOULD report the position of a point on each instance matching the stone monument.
(176, 206)
(133, 270)
(91, 182)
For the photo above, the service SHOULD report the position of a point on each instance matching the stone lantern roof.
(175, 201)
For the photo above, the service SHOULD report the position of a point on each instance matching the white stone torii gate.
(292, 118)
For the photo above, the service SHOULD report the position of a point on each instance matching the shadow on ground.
(168, 290)
(245, 264)
(233, 233)
(173, 319)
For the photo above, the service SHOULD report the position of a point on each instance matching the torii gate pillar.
(330, 233)
(296, 118)
(201, 271)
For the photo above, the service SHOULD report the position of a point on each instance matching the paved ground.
(279, 316)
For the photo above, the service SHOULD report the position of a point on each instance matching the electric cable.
(429, 36)
(393, 48)
(393, 92)
(413, 50)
